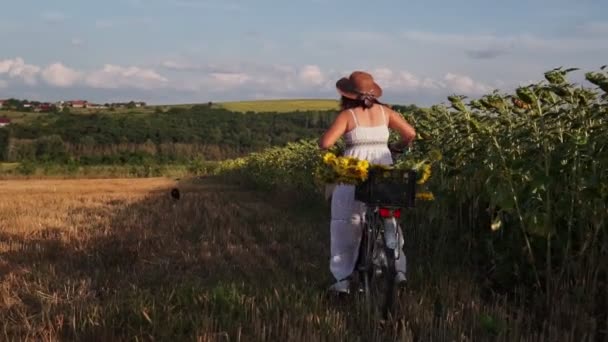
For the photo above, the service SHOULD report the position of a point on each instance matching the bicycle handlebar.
(395, 150)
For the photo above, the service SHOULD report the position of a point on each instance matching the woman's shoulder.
(346, 112)
(383, 106)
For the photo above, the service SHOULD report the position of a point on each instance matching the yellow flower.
(363, 164)
(363, 175)
(329, 158)
(426, 174)
(425, 196)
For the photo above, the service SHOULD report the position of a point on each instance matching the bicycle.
(384, 198)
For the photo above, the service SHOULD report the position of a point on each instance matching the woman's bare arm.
(334, 132)
(398, 123)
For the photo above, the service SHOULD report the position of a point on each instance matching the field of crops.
(280, 105)
(122, 260)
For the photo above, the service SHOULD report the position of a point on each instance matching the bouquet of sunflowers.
(346, 170)
(353, 171)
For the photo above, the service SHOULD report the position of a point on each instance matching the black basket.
(390, 188)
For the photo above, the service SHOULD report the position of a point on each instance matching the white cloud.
(181, 65)
(229, 79)
(464, 85)
(312, 74)
(114, 77)
(18, 69)
(275, 81)
(59, 75)
(400, 80)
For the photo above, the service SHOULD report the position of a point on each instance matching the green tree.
(50, 148)
(4, 143)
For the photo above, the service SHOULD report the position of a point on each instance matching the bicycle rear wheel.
(364, 263)
(379, 276)
(390, 287)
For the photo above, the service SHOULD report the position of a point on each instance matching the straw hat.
(358, 85)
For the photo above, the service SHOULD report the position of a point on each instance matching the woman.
(364, 122)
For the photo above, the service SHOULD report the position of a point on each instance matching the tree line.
(175, 135)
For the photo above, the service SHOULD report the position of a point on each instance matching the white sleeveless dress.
(369, 143)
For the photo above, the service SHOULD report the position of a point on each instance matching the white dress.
(369, 143)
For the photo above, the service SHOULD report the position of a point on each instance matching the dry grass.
(121, 260)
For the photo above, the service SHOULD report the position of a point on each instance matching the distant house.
(44, 107)
(5, 122)
(2, 103)
(77, 104)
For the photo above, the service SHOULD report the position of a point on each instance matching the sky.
(190, 51)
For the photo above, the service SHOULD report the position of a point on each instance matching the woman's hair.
(348, 103)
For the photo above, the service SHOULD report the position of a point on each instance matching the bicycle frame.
(384, 224)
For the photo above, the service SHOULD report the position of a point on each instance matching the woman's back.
(368, 117)
(368, 134)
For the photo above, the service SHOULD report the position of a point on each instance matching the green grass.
(61, 171)
(88, 111)
(18, 117)
(8, 167)
(289, 105)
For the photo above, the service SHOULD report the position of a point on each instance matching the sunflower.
(425, 196)
(426, 174)
(329, 158)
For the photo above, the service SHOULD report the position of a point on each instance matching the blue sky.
(172, 51)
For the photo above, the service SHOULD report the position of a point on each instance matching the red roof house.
(78, 104)
(4, 122)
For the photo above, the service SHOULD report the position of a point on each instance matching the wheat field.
(288, 105)
(120, 259)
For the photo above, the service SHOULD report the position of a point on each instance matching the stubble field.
(122, 260)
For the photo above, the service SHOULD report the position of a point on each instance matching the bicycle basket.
(392, 188)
